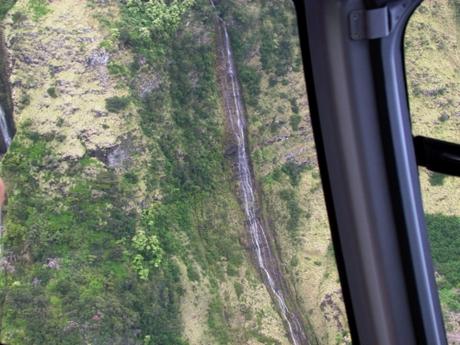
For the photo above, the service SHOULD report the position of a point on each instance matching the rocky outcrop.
(61, 80)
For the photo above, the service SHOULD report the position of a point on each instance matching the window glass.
(433, 71)
(160, 178)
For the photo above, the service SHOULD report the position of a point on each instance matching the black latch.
(376, 23)
(437, 155)
(369, 24)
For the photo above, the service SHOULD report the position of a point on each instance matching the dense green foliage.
(456, 6)
(90, 269)
(444, 233)
(148, 26)
(276, 38)
(116, 104)
(250, 78)
(295, 121)
(52, 92)
(39, 8)
(73, 280)
(293, 171)
(5, 6)
(87, 269)
(445, 245)
(294, 210)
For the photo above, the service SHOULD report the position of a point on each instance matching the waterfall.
(4, 129)
(266, 260)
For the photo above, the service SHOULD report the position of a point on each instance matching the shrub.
(239, 289)
(39, 8)
(131, 178)
(276, 52)
(444, 233)
(436, 179)
(294, 210)
(5, 6)
(294, 105)
(52, 92)
(293, 171)
(250, 79)
(149, 253)
(25, 100)
(116, 104)
(295, 121)
(216, 322)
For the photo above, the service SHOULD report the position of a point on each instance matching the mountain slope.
(124, 224)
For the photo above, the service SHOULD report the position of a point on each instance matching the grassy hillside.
(122, 224)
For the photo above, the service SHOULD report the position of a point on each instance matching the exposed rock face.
(146, 82)
(53, 263)
(60, 79)
(99, 57)
(117, 157)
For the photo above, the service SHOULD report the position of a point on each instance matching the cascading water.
(4, 129)
(5, 134)
(266, 260)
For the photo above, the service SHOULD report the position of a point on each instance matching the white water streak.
(265, 258)
(4, 131)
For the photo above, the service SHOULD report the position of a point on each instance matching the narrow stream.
(7, 127)
(268, 265)
(4, 129)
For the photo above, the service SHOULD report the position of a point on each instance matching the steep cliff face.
(284, 158)
(124, 224)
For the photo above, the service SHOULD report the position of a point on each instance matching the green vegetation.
(437, 179)
(116, 104)
(96, 254)
(295, 121)
(293, 171)
(149, 253)
(92, 269)
(39, 8)
(276, 46)
(445, 245)
(149, 26)
(251, 78)
(5, 6)
(456, 5)
(78, 276)
(135, 250)
(294, 210)
(52, 92)
(444, 232)
(263, 339)
(216, 322)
